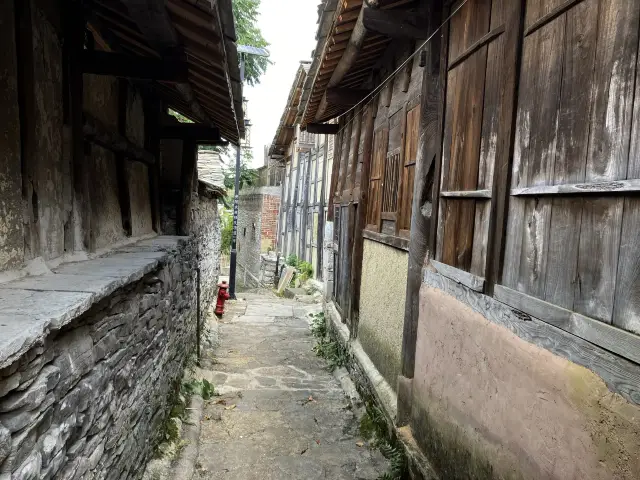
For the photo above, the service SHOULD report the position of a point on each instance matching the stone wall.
(86, 397)
(209, 237)
(257, 216)
(249, 228)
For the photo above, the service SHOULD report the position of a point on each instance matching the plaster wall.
(11, 232)
(382, 302)
(488, 404)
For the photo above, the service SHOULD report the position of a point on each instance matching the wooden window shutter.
(408, 170)
(471, 126)
(380, 143)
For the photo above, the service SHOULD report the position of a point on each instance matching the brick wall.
(269, 229)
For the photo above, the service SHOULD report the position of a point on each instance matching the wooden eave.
(208, 43)
(286, 128)
(328, 53)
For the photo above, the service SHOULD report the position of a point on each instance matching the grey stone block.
(5, 443)
(33, 397)
(9, 383)
(30, 469)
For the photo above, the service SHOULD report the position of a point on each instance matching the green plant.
(332, 352)
(318, 325)
(203, 387)
(292, 260)
(306, 271)
(227, 232)
(373, 427)
(245, 13)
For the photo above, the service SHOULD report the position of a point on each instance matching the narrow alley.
(278, 412)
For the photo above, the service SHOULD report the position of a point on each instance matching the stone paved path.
(280, 413)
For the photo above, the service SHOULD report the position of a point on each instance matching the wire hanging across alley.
(376, 91)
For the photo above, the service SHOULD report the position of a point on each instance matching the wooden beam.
(424, 190)
(121, 167)
(594, 188)
(486, 194)
(361, 220)
(95, 132)
(398, 23)
(467, 279)
(189, 167)
(129, 66)
(345, 96)
(194, 132)
(616, 340)
(349, 57)
(323, 128)
(152, 19)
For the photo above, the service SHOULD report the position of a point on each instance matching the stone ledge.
(31, 307)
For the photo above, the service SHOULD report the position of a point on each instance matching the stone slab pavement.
(279, 414)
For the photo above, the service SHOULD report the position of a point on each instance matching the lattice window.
(390, 184)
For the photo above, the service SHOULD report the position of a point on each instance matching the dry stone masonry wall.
(87, 400)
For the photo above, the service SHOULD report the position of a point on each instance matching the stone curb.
(186, 465)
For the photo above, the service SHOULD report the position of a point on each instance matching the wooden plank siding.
(569, 232)
(472, 111)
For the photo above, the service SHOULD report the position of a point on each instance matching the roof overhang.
(198, 33)
(346, 55)
(286, 128)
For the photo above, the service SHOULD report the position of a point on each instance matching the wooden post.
(305, 208)
(27, 116)
(121, 167)
(74, 45)
(294, 207)
(361, 220)
(321, 218)
(428, 155)
(335, 173)
(189, 160)
(152, 113)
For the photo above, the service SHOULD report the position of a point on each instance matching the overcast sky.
(290, 27)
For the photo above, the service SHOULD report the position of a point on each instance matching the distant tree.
(248, 33)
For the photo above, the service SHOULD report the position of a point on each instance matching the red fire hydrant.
(223, 295)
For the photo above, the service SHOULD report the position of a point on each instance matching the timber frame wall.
(524, 183)
(303, 208)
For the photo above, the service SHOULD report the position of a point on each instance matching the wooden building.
(109, 241)
(485, 230)
(306, 160)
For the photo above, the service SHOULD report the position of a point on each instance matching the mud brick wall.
(88, 400)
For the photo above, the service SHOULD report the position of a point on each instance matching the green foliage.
(245, 13)
(181, 118)
(318, 325)
(203, 387)
(248, 176)
(373, 427)
(306, 271)
(292, 260)
(227, 231)
(326, 348)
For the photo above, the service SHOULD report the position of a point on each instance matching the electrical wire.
(376, 91)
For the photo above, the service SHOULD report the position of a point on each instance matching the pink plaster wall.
(525, 411)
